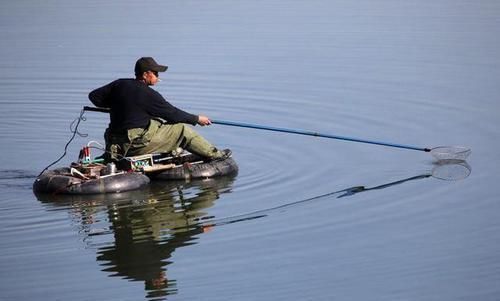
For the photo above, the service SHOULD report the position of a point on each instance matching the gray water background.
(423, 73)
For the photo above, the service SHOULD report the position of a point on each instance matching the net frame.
(450, 152)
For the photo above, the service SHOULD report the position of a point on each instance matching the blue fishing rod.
(440, 152)
(316, 134)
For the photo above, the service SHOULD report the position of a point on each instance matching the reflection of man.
(146, 235)
(138, 252)
(144, 260)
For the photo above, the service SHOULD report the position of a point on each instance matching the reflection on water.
(135, 233)
(448, 170)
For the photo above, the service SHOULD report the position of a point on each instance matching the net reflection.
(447, 170)
(135, 233)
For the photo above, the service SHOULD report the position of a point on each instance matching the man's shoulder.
(131, 85)
(128, 83)
(125, 81)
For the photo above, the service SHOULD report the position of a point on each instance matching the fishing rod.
(440, 152)
(316, 134)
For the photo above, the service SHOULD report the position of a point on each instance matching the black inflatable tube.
(201, 170)
(59, 181)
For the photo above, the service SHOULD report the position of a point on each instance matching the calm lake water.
(290, 225)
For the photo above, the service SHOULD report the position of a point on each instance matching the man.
(143, 122)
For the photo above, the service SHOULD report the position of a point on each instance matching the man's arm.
(160, 107)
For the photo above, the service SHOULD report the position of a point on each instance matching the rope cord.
(75, 132)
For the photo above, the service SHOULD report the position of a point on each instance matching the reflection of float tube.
(143, 224)
(448, 170)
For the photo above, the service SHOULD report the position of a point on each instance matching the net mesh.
(450, 152)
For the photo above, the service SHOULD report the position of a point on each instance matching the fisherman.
(143, 122)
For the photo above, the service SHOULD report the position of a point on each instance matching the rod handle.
(95, 109)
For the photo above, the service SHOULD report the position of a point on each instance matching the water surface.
(305, 218)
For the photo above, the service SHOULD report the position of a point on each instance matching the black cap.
(148, 64)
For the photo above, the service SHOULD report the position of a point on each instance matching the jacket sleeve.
(160, 107)
(101, 97)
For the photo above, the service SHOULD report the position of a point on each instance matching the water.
(291, 225)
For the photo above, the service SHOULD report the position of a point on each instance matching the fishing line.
(75, 132)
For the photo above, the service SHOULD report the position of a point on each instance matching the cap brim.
(160, 68)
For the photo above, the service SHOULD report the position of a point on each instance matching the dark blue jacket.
(133, 104)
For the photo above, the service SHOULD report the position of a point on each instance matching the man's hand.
(204, 120)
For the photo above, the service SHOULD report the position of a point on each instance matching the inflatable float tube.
(197, 170)
(184, 166)
(63, 181)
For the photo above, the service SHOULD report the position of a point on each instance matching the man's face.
(151, 77)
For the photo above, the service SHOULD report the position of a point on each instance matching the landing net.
(450, 152)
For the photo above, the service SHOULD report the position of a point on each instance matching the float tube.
(95, 179)
(102, 175)
(182, 167)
